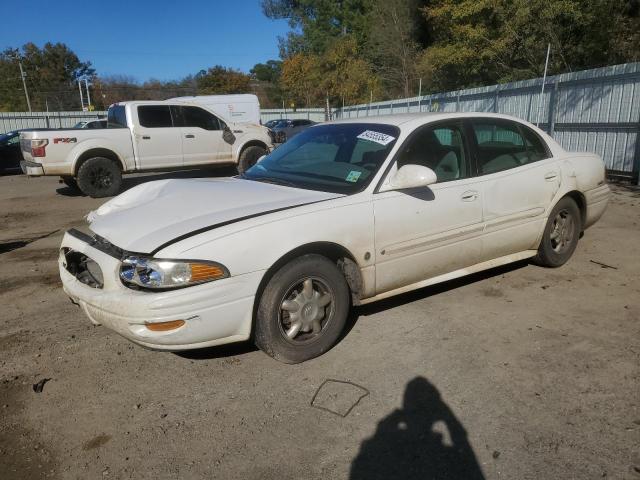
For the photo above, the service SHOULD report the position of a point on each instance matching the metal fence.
(19, 120)
(315, 114)
(592, 110)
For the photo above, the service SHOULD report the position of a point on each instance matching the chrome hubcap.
(305, 310)
(562, 231)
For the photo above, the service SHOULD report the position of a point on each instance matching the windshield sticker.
(353, 176)
(381, 138)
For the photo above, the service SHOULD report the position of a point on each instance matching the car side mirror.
(227, 135)
(412, 176)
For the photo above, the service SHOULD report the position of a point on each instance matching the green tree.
(300, 78)
(223, 80)
(51, 73)
(479, 42)
(267, 72)
(346, 77)
(316, 23)
(392, 46)
(266, 82)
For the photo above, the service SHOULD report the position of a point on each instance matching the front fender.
(259, 243)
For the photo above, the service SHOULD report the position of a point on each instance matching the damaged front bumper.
(213, 313)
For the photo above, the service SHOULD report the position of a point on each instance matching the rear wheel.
(249, 157)
(560, 237)
(99, 177)
(303, 310)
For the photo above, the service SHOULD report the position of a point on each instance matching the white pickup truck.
(142, 136)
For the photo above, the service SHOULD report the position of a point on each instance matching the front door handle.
(469, 196)
(550, 176)
(189, 136)
(146, 137)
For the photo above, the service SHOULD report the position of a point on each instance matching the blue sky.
(150, 39)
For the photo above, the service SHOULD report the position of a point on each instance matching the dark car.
(10, 154)
(287, 129)
(273, 123)
(91, 124)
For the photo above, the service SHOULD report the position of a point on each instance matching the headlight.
(158, 274)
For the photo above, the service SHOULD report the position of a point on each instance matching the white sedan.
(345, 213)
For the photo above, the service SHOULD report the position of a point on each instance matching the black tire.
(560, 237)
(99, 177)
(288, 286)
(249, 157)
(70, 182)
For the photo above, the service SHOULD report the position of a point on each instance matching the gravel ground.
(516, 373)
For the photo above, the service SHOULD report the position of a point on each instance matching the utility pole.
(86, 84)
(24, 84)
(544, 79)
(81, 97)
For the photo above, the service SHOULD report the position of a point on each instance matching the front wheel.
(99, 177)
(303, 310)
(249, 157)
(560, 237)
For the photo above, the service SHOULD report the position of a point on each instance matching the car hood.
(155, 213)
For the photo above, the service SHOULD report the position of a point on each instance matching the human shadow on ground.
(422, 440)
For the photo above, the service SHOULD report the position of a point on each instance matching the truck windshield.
(339, 158)
(116, 117)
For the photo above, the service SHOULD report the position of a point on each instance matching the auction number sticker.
(381, 138)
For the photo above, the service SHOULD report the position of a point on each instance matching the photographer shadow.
(423, 440)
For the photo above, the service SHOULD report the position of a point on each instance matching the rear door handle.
(550, 176)
(189, 136)
(146, 137)
(469, 196)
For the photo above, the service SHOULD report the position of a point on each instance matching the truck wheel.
(70, 182)
(249, 157)
(99, 177)
(302, 310)
(560, 236)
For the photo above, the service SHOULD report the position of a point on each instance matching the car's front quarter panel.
(256, 244)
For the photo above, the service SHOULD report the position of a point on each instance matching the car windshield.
(339, 158)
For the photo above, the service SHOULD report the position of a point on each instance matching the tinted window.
(12, 140)
(97, 124)
(340, 158)
(440, 148)
(500, 146)
(535, 146)
(198, 117)
(154, 116)
(117, 117)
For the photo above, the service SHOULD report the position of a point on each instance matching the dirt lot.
(518, 373)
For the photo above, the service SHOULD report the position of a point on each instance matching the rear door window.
(117, 117)
(155, 116)
(536, 148)
(500, 145)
